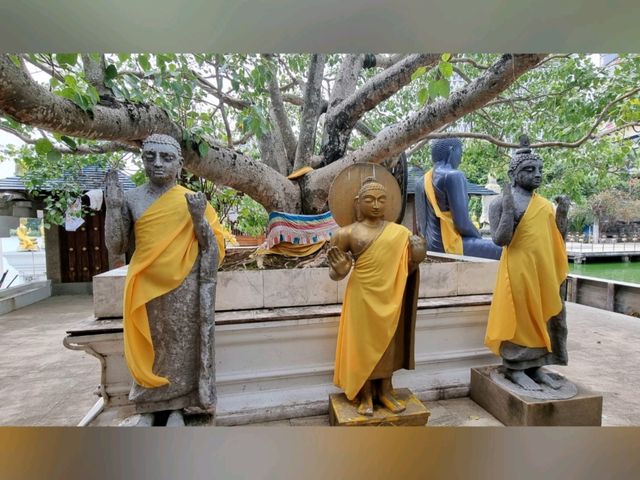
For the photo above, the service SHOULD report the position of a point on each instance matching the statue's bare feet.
(540, 376)
(522, 380)
(176, 419)
(365, 399)
(387, 398)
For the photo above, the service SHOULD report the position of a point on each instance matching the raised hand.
(196, 203)
(507, 199)
(113, 193)
(339, 261)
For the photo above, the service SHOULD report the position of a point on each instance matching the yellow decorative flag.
(451, 238)
(166, 250)
(371, 309)
(531, 271)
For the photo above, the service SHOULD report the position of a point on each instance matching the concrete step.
(14, 298)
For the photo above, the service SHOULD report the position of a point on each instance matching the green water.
(624, 272)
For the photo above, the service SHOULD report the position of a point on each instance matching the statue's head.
(447, 150)
(162, 158)
(371, 199)
(525, 167)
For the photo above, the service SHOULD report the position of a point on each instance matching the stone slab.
(342, 412)
(585, 409)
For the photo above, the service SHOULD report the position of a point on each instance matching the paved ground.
(43, 383)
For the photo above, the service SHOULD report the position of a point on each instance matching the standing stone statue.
(527, 324)
(169, 299)
(442, 211)
(377, 323)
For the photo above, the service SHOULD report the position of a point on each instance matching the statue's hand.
(339, 261)
(196, 203)
(507, 198)
(418, 248)
(113, 193)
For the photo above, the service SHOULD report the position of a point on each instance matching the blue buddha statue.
(442, 212)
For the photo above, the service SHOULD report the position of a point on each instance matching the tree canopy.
(249, 121)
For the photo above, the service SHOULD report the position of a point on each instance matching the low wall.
(251, 289)
(614, 296)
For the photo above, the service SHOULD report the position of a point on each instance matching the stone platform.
(513, 409)
(342, 412)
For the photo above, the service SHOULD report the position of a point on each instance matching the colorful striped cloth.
(299, 229)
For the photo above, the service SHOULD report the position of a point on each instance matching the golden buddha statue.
(377, 323)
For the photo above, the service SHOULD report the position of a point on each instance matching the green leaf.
(123, 57)
(70, 80)
(69, 59)
(418, 73)
(423, 95)
(43, 146)
(445, 57)
(439, 88)
(16, 60)
(111, 72)
(54, 156)
(143, 60)
(446, 69)
(203, 149)
(69, 141)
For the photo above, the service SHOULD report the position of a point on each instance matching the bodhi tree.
(249, 121)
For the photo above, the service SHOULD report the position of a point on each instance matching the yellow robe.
(531, 271)
(373, 303)
(166, 250)
(451, 238)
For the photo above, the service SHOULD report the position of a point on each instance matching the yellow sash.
(532, 268)
(451, 239)
(166, 249)
(371, 308)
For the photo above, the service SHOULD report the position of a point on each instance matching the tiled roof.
(90, 178)
(415, 173)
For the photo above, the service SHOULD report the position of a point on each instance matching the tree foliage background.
(248, 121)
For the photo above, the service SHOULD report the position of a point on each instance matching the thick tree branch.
(394, 139)
(310, 111)
(386, 61)
(280, 114)
(341, 119)
(94, 72)
(29, 103)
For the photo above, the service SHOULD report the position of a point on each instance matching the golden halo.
(346, 185)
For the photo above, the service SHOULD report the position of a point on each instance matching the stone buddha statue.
(442, 212)
(377, 323)
(527, 324)
(169, 299)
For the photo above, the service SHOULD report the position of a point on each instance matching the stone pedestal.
(585, 409)
(343, 413)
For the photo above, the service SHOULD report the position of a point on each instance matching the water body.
(624, 272)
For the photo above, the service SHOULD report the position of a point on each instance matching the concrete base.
(585, 409)
(23, 295)
(343, 413)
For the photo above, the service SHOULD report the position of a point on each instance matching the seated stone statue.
(377, 323)
(527, 324)
(442, 212)
(170, 286)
